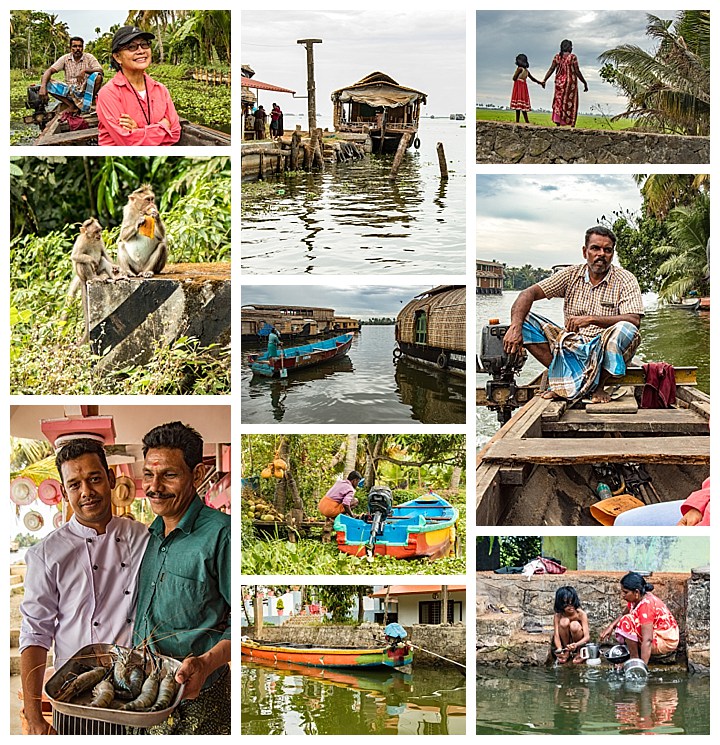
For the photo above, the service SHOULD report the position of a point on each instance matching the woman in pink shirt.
(134, 109)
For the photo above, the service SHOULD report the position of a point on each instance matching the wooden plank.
(514, 475)
(488, 505)
(577, 450)
(533, 411)
(649, 421)
(636, 376)
(695, 400)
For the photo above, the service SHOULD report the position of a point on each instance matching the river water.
(668, 334)
(352, 220)
(576, 700)
(286, 699)
(364, 387)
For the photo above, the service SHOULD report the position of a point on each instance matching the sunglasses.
(133, 46)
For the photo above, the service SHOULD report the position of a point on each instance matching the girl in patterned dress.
(520, 98)
(648, 628)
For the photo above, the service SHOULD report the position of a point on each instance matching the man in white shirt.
(80, 586)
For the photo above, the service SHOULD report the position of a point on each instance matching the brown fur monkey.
(142, 250)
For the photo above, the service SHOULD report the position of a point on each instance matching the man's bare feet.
(577, 660)
(600, 396)
(551, 395)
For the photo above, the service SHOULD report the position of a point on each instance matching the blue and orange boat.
(421, 528)
(394, 655)
(297, 358)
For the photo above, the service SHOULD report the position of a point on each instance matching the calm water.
(286, 699)
(670, 335)
(579, 700)
(363, 387)
(351, 219)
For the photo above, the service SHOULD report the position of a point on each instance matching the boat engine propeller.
(501, 391)
(379, 509)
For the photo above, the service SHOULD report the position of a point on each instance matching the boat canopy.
(378, 90)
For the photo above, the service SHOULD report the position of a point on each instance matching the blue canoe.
(297, 358)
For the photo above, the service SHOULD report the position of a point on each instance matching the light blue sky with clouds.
(84, 22)
(541, 219)
(503, 34)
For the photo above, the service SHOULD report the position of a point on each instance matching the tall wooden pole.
(312, 111)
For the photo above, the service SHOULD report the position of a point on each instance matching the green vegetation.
(409, 464)
(522, 277)
(543, 119)
(49, 197)
(668, 90)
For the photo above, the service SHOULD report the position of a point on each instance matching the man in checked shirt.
(603, 309)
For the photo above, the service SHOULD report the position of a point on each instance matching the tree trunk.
(387, 598)
(444, 604)
(258, 611)
(361, 596)
(350, 454)
(455, 480)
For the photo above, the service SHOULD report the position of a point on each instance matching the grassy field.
(543, 119)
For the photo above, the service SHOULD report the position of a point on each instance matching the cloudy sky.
(420, 49)
(84, 22)
(502, 35)
(541, 220)
(363, 302)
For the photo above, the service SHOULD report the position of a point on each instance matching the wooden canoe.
(538, 468)
(57, 133)
(314, 656)
(421, 528)
(297, 358)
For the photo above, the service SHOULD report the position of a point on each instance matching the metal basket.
(102, 654)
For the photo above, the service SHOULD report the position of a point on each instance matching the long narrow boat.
(400, 655)
(421, 528)
(297, 358)
(685, 304)
(538, 468)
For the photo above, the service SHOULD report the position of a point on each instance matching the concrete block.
(128, 318)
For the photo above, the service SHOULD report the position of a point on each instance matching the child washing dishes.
(571, 626)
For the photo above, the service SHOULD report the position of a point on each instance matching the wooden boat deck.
(546, 441)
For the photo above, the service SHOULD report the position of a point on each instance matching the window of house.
(429, 611)
(421, 327)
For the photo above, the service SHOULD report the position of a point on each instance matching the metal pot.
(590, 651)
(617, 654)
(635, 668)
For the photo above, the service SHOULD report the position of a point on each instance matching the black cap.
(126, 34)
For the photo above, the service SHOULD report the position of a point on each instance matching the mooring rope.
(447, 659)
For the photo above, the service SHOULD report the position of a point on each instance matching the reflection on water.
(288, 699)
(679, 337)
(353, 219)
(579, 700)
(363, 387)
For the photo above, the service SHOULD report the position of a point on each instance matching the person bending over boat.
(83, 78)
(603, 308)
(134, 109)
(648, 628)
(339, 498)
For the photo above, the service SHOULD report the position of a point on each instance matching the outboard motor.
(502, 367)
(379, 509)
(34, 102)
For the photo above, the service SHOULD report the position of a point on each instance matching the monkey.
(90, 260)
(142, 250)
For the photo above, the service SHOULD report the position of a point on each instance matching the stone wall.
(520, 636)
(503, 142)
(448, 640)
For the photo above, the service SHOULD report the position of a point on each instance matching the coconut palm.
(687, 264)
(669, 89)
(663, 191)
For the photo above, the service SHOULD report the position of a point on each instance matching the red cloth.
(117, 98)
(659, 390)
(699, 500)
(520, 98)
(565, 99)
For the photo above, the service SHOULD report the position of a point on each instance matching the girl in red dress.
(520, 98)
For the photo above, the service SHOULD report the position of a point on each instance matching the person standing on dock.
(260, 117)
(603, 309)
(276, 122)
(340, 497)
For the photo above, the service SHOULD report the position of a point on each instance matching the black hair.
(600, 230)
(565, 596)
(77, 38)
(114, 64)
(565, 46)
(634, 581)
(354, 475)
(522, 61)
(178, 436)
(76, 449)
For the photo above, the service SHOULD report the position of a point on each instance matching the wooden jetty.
(380, 106)
(538, 468)
(430, 329)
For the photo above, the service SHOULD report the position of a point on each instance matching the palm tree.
(668, 90)
(688, 257)
(663, 191)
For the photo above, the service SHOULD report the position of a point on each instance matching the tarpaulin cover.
(379, 96)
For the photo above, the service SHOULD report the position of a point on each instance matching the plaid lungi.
(577, 364)
(83, 97)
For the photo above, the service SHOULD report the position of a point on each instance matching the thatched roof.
(444, 307)
(378, 89)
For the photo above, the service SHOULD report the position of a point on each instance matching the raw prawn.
(149, 691)
(166, 692)
(103, 694)
(77, 684)
(128, 676)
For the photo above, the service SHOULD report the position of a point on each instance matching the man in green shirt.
(184, 584)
